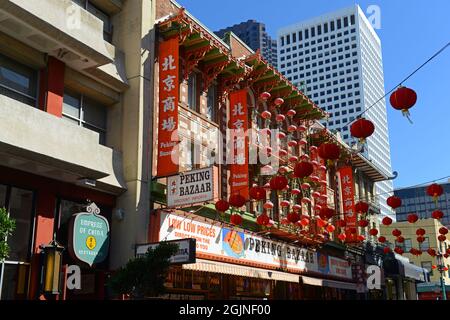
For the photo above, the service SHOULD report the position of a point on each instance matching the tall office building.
(415, 200)
(254, 35)
(337, 59)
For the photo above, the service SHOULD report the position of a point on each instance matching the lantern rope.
(398, 85)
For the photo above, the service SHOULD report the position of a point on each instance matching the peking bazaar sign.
(167, 163)
(239, 176)
(347, 196)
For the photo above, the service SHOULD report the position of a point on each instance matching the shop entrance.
(15, 270)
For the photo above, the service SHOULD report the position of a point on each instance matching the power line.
(393, 89)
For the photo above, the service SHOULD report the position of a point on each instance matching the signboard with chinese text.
(190, 187)
(239, 176)
(347, 196)
(168, 108)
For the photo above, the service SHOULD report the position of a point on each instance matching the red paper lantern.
(266, 115)
(360, 238)
(329, 151)
(303, 169)
(381, 239)
(236, 219)
(386, 250)
(443, 230)
(353, 230)
(268, 205)
(321, 223)
(434, 267)
(394, 202)
(396, 233)
(285, 204)
(386, 221)
(403, 99)
(363, 223)
(434, 190)
(442, 238)
(431, 252)
(342, 237)
(420, 239)
(326, 213)
(222, 205)
(304, 221)
(420, 232)
(437, 214)
(330, 228)
(362, 129)
(257, 193)
(236, 200)
(361, 207)
(373, 232)
(263, 220)
(293, 217)
(264, 96)
(400, 239)
(398, 250)
(278, 101)
(278, 183)
(412, 218)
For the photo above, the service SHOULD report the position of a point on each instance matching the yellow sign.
(91, 242)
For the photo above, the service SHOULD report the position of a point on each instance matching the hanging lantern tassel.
(406, 114)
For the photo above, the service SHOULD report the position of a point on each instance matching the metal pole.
(441, 270)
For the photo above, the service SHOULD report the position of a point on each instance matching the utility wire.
(393, 89)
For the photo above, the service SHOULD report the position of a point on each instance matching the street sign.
(185, 254)
(89, 236)
(195, 186)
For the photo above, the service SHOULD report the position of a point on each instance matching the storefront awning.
(233, 269)
(329, 283)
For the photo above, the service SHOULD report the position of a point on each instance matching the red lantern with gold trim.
(386, 221)
(412, 218)
(263, 220)
(222, 205)
(381, 239)
(373, 232)
(403, 99)
(257, 193)
(361, 207)
(329, 152)
(362, 129)
(437, 214)
(236, 200)
(278, 183)
(396, 233)
(435, 191)
(394, 202)
(236, 219)
(442, 238)
(303, 169)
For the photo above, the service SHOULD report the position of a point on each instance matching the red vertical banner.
(168, 108)
(347, 196)
(238, 125)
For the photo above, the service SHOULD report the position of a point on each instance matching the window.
(103, 16)
(352, 19)
(332, 25)
(211, 103)
(282, 42)
(345, 21)
(288, 39)
(319, 30)
(17, 81)
(192, 92)
(20, 205)
(339, 24)
(300, 36)
(306, 34)
(313, 32)
(294, 37)
(427, 265)
(325, 27)
(426, 244)
(85, 112)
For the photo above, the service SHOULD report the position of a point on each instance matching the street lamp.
(52, 267)
(441, 268)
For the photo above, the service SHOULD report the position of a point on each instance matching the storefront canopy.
(329, 283)
(233, 269)
(399, 265)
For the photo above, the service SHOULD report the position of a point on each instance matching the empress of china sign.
(190, 187)
(89, 236)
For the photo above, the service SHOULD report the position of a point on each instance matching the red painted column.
(51, 87)
(45, 211)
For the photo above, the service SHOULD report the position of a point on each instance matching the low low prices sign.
(190, 187)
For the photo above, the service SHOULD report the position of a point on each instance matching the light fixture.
(52, 262)
(86, 182)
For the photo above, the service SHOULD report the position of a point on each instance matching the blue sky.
(411, 32)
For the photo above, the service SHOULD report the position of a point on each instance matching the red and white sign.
(239, 176)
(347, 196)
(168, 108)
